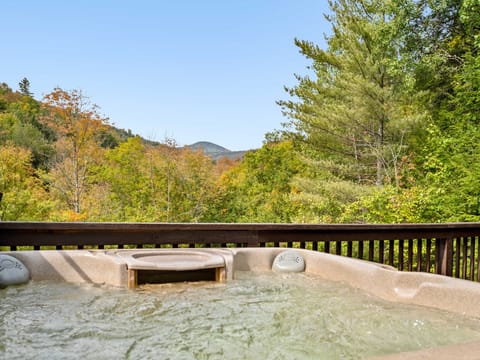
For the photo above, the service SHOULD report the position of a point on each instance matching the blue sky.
(188, 70)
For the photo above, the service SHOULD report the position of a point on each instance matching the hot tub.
(194, 268)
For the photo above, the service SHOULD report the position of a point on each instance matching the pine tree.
(24, 87)
(350, 112)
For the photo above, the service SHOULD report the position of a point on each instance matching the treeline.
(388, 122)
(61, 160)
(384, 129)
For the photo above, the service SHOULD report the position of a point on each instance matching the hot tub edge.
(100, 267)
(437, 291)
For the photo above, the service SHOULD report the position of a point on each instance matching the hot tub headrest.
(289, 261)
(12, 271)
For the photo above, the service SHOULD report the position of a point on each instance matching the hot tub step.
(168, 266)
(138, 277)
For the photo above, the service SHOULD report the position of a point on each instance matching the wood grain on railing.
(450, 249)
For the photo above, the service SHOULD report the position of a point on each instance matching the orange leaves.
(72, 112)
(72, 216)
(77, 123)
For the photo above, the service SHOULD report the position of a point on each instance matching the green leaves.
(24, 196)
(348, 113)
(383, 129)
(154, 183)
(258, 189)
(393, 102)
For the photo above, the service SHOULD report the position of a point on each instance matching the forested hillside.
(384, 129)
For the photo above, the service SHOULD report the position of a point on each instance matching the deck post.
(444, 258)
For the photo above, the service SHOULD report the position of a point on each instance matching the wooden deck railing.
(450, 249)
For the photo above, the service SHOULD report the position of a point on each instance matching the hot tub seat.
(171, 260)
(166, 265)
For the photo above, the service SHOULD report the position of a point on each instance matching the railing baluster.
(477, 240)
(381, 252)
(400, 254)
(428, 252)
(478, 258)
(350, 249)
(472, 258)
(458, 243)
(419, 254)
(410, 255)
(391, 252)
(371, 249)
(326, 246)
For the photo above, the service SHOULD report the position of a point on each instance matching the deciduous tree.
(76, 122)
(258, 189)
(23, 195)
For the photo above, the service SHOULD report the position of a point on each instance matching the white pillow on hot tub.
(289, 261)
(12, 271)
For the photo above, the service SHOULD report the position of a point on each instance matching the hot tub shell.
(121, 268)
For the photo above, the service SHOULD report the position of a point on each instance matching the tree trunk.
(380, 134)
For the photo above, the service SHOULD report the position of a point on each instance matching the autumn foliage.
(383, 129)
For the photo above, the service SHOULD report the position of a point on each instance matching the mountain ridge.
(209, 148)
(216, 151)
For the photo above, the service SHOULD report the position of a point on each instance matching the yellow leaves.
(24, 197)
(72, 216)
(14, 164)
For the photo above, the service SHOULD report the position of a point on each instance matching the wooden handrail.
(448, 248)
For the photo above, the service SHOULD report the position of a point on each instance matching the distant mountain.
(216, 151)
(210, 149)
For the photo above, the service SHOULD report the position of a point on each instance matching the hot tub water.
(261, 315)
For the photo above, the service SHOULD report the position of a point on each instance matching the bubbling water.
(255, 316)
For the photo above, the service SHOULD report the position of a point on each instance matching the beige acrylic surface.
(116, 267)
